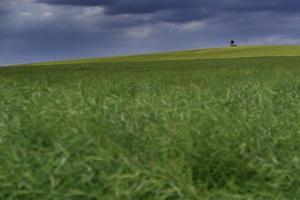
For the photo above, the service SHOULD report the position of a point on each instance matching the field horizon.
(192, 54)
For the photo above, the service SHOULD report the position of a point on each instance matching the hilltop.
(210, 53)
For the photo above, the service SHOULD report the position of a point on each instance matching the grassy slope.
(165, 129)
(237, 52)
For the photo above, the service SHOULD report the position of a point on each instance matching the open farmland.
(201, 124)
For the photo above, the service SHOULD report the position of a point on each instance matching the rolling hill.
(228, 52)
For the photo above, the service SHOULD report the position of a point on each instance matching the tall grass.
(210, 129)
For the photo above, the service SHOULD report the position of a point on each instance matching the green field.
(202, 124)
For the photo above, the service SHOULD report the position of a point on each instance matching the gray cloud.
(182, 10)
(4, 4)
(130, 6)
(146, 6)
(79, 2)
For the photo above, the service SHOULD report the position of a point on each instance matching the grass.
(225, 128)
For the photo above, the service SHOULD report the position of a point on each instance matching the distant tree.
(232, 43)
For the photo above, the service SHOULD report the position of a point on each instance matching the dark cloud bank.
(38, 30)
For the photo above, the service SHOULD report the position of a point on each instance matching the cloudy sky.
(40, 30)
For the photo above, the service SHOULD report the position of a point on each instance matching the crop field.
(203, 124)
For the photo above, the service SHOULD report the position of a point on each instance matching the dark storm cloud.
(34, 30)
(260, 5)
(3, 7)
(79, 2)
(146, 6)
(161, 10)
(150, 6)
(130, 6)
(182, 10)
